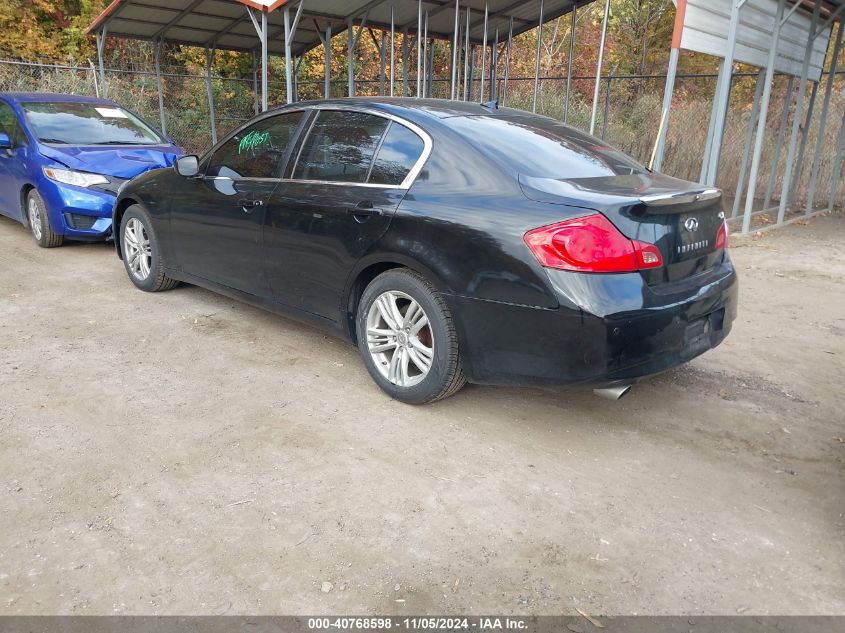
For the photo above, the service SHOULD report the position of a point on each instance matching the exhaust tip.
(613, 393)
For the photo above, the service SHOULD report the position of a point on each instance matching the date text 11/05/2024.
(418, 624)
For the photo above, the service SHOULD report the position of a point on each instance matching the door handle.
(363, 209)
(248, 205)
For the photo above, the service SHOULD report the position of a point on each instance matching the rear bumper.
(609, 329)
(77, 213)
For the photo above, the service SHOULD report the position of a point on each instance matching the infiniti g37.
(450, 242)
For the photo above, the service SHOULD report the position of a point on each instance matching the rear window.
(543, 148)
(87, 124)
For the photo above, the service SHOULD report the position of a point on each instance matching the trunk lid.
(679, 217)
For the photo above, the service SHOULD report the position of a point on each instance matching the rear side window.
(256, 151)
(340, 147)
(543, 148)
(399, 152)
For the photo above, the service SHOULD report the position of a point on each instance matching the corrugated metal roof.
(706, 26)
(226, 24)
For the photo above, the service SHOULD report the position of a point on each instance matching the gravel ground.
(181, 453)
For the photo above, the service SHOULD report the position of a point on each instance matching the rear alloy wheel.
(407, 338)
(39, 222)
(141, 254)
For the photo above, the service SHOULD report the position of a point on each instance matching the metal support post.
(784, 119)
(209, 54)
(537, 57)
(796, 123)
(723, 94)
(569, 67)
(507, 64)
(817, 155)
(669, 89)
(159, 87)
(711, 128)
(101, 54)
(837, 166)
(598, 67)
(764, 112)
(453, 86)
(805, 133)
(484, 51)
(749, 140)
(392, 50)
(467, 55)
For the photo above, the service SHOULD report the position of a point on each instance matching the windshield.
(543, 148)
(87, 124)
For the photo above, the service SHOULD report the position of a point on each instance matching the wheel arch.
(370, 268)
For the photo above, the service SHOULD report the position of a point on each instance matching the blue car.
(63, 159)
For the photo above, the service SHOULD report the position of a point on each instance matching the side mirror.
(187, 166)
(5, 142)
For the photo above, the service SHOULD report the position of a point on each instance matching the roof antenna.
(491, 105)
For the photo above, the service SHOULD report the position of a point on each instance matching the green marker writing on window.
(253, 141)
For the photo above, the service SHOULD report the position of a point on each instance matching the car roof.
(437, 108)
(53, 97)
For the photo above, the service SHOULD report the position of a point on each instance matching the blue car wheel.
(39, 222)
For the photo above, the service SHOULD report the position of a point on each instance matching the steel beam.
(598, 67)
(467, 55)
(805, 133)
(537, 57)
(569, 67)
(828, 93)
(784, 119)
(722, 96)
(453, 85)
(290, 33)
(796, 122)
(669, 88)
(507, 64)
(837, 166)
(711, 127)
(101, 53)
(209, 55)
(159, 47)
(392, 50)
(419, 48)
(749, 140)
(484, 50)
(764, 112)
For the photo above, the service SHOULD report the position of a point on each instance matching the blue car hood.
(120, 162)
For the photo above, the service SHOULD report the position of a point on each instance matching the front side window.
(256, 151)
(340, 147)
(10, 126)
(399, 152)
(64, 123)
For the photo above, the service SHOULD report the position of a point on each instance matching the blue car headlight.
(75, 178)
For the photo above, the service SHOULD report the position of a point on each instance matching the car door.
(216, 219)
(12, 163)
(351, 173)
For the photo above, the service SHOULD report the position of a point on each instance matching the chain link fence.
(628, 113)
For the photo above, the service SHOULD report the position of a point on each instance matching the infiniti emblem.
(691, 225)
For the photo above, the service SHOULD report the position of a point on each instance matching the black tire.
(39, 222)
(155, 280)
(445, 376)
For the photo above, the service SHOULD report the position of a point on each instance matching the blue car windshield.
(87, 124)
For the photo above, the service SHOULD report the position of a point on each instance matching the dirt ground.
(181, 453)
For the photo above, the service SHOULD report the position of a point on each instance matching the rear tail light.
(722, 235)
(590, 244)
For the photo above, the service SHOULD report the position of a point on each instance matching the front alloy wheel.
(399, 339)
(136, 244)
(39, 222)
(140, 251)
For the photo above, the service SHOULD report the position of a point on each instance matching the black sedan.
(451, 242)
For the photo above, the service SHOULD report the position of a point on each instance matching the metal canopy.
(225, 24)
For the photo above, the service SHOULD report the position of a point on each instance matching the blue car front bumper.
(76, 212)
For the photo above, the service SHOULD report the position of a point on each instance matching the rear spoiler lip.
(678, 198)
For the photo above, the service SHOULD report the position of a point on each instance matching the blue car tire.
(39, 222)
